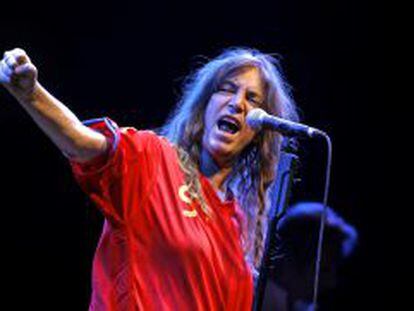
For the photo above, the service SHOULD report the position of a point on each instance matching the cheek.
(212, 109)
(208, 116)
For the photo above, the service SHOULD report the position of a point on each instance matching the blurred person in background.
(291, 281)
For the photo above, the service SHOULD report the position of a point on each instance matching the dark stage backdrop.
(127, 61)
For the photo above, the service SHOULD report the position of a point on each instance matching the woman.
(185, 209)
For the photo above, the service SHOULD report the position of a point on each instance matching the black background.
(127, 60)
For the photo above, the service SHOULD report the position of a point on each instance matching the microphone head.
(255, 118)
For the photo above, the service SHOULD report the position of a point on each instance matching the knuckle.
(10, 61)
(31, 67)
(19, 52)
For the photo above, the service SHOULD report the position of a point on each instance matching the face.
(226, 133)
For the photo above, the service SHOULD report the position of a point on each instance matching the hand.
(18, 74)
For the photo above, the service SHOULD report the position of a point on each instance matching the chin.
(221, 153)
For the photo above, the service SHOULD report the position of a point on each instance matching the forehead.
(250, 77)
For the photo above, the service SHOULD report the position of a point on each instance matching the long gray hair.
(255, 168)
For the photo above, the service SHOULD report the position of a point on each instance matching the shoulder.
(144, 140)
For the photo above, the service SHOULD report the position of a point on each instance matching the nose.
(237, 102)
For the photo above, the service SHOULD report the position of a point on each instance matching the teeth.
(231, 121)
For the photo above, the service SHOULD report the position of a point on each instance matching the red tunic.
(158, 250)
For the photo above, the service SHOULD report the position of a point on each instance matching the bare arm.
(19, 76)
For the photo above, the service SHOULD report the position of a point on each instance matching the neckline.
(227, 205)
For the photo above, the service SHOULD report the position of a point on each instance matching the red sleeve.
(119, 180)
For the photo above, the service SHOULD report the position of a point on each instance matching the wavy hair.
(255, 168)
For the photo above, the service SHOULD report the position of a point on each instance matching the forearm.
(19, 77)
(62, 126)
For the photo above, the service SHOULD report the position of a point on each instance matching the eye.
(256, 101)
(226, 89)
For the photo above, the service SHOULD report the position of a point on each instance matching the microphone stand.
(280, 193)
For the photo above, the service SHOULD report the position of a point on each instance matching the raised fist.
(18, 74)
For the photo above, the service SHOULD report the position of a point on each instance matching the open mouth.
(228, 125)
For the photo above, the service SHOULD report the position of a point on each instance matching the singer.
(185, 208)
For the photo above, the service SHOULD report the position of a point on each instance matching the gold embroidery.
(186, 199)
(182, 194)
(190, 214)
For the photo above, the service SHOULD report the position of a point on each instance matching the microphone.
(259, 119)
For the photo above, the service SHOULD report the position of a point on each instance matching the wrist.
(32, 95)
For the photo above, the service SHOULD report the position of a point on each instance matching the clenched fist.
(18, 74)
